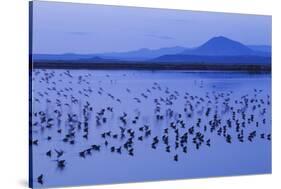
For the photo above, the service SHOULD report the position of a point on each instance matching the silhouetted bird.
(61, 164)
(49, 153)
(59, 153)
(40, 179)
(176, 158)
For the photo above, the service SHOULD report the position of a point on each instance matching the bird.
(49, 153)
(82, 154)
(35, 142)
(59, 153)
(176, 158)
(40, 179)
(60, 164)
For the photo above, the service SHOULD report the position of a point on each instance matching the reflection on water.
(97, 127)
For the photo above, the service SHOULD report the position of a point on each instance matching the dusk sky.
(85, 28)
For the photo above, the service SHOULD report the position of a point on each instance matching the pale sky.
(87, 28)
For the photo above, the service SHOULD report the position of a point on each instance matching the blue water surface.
(213, 124)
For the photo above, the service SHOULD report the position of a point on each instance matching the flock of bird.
(78, 109)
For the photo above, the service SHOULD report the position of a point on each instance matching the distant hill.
(142, 54)
(66, 56)
(69, 58)
(220, 50)
(220, 46)
(137, 55)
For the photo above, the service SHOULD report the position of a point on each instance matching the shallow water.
(237, 103)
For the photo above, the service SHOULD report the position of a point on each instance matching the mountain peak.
(221, 40)
(221, 46)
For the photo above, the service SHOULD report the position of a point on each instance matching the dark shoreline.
(256, 68)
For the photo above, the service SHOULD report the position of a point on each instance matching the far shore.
(152, 66)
